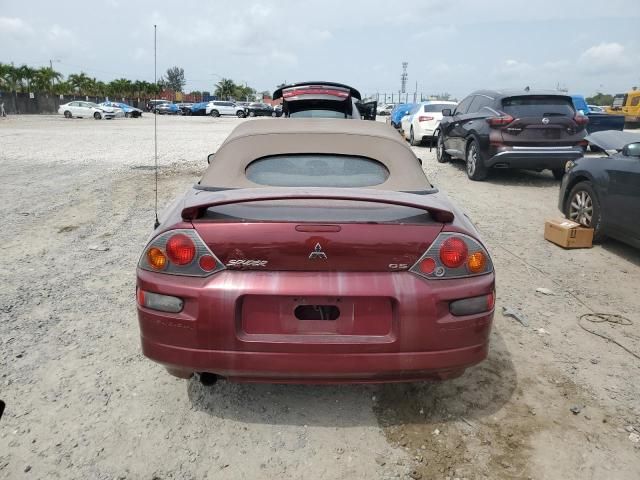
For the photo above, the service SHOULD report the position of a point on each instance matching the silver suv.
(215, 108)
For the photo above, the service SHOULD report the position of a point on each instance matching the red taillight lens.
(453, 252)
(181, 249)
(207, 263)
(427, 265)
(491, 300)
(581, 119)
(425, 119)
(315, 91)
(500, 121)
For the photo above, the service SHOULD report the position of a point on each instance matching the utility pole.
(404, 77)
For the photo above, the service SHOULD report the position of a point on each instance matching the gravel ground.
(82, 402)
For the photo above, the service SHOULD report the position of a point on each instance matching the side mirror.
(631, 150)
(446, 112)
(210, 157)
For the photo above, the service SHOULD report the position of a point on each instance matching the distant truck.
(627, 104)
(598, 122)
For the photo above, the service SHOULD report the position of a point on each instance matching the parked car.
(597, 121)
(217, 108)
(309, 254)
(324, 100)
(423, 120)
(184, 107)
(151, 104)
(259, 110)
(627, 104)
(199, 108)
(603, 192)
(278, 110)
(597, 108)
(166, 109)
(127, 110)
(512, 129)
(398, 112)
(81, 109)
(385, 109)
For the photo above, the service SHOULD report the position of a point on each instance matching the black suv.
(512, 129)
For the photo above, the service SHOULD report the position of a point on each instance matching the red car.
(315, 251)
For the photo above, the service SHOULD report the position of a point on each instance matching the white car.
(597, 109)
(215, 108)
(82, 109)
(423, 120)
(385, 109)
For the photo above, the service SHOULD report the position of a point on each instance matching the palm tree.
(225, 88)
(26, 75)
(81, 82)
(44, 79)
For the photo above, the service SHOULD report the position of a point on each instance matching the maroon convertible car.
(315, 251)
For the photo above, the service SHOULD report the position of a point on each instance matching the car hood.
(612, 139)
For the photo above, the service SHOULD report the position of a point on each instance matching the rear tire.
(476, 170)
(67, 114)
(441, 155)
(252, 114)
(558, 173)
(273, 114)
(97, 116)
(214, 113)
(583, 207)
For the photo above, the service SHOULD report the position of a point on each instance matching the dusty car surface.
(315, 251)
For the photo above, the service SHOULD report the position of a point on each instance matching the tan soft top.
(255, 139)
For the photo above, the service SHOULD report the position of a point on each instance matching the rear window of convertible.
(316, 170)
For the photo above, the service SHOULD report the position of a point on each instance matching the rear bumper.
(220, 330)
(533, 157)
(276, 367)
(426, 132)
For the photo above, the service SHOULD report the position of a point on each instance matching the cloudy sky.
(583, 45)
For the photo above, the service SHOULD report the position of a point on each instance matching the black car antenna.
(155, 120)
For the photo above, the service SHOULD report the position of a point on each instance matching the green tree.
(600, 99)
(26, 75)
(175, 79)
(225, 88)
(80, 82)
(45, 78)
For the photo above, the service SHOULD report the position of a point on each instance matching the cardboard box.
(568, 234)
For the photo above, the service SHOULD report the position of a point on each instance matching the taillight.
(179, 252)
(181, 249)
(315, 90)
(453, 255)
(453, 252)
(473, 305)
(425, 119)
(500, 121)
(581, 119)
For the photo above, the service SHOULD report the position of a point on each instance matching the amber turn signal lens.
(476, 262)
(156, 258)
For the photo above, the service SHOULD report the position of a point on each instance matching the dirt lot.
(76, 201)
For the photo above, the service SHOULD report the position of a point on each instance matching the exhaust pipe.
(208, 379)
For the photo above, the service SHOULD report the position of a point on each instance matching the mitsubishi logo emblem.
(545, 120)
(317, 253)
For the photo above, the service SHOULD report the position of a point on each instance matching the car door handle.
(456, 124)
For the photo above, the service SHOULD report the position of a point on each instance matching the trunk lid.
(313, 235)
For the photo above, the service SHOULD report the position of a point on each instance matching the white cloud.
(15, 26)
(438, 32)
(606, 57)
(513, 69)
(57, 33)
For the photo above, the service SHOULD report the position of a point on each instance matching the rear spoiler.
(195, 205)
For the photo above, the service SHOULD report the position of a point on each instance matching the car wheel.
(583, 207)
(215, 113)
(475, 166)
(441, 155)
(67, 114)
(412, 139)
(127, 115)
(252, 114)
(97, 116)
(240, 114)
(273, 114)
